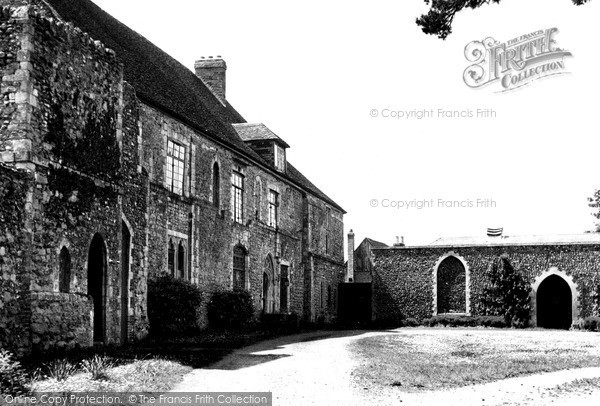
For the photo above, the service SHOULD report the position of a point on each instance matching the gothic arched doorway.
(554, 303)
(96, 274)
(451, 286)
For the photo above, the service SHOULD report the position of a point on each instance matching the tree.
(594, 203)
(438, 21)
(506, 293)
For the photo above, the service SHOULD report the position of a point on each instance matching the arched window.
(268, 290)
(239, 267)
(451, 286)
(181, 260)
(216, 185)
(171, 260)
(64, 274)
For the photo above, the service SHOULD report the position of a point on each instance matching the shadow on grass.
(200, 350)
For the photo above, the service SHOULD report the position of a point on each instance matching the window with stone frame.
(237, 197)
(327, 231)
(216, 185)
(175, 167)
(64, 271)
(239, 268)
(177, 257)
(273, 208)
(171, 258)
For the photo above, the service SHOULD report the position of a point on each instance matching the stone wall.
(14, 280)
(77, 133)
(404, 278)
(60, 320)
(207, 226)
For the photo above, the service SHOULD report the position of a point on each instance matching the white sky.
(313, 70)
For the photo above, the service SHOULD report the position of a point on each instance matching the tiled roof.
(161, 81)
(376, 244)
(556, 239)
(257, 132)
(297, 177)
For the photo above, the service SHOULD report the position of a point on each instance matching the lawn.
(436, 358)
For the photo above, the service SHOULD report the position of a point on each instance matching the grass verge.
(152, 365)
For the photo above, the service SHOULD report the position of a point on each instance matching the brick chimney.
(212, 72)
(350, 271)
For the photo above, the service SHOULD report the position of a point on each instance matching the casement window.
(177, 257)
(64, 271)
(237, 197)
(175, 167)
(239, 267)
(279, 155)
(273, 208)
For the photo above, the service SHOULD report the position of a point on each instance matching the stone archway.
(96, 285)
(554, 298)
(451, 285)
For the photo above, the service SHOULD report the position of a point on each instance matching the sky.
(317, 73)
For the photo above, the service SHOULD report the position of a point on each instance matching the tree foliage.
(506, 293)
(594, 203)
(438, 21)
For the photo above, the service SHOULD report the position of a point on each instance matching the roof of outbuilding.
(257, 132)
(375, 244)
(163, 82)
(550, 239)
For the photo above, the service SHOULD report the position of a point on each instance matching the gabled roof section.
(257, 132)
(375, 244)
(300, 179)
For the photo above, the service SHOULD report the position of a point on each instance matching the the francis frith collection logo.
(514, 63)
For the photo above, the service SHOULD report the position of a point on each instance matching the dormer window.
(279, 158)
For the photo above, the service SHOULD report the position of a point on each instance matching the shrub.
(230, 309)
(410, 322)
(60, 369)
(591, 323)
(506, 293)
(97, 366)
(12, 375)
(466, 321)
(172, 306)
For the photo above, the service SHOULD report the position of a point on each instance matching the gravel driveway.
(316, 369)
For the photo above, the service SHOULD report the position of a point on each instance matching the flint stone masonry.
(83, 170)
(404, 278)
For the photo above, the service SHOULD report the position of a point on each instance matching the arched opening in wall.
(267, 291)
(64, 271)
(96, 282)
(180, 260)
(216, 185)
(125, 263)
(554, 303)
(171, 259)
(284, 289)
(451, 286)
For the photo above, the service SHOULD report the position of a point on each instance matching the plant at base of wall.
(506, 293)
(12, 375)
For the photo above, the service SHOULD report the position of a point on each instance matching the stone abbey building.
(119, 164)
